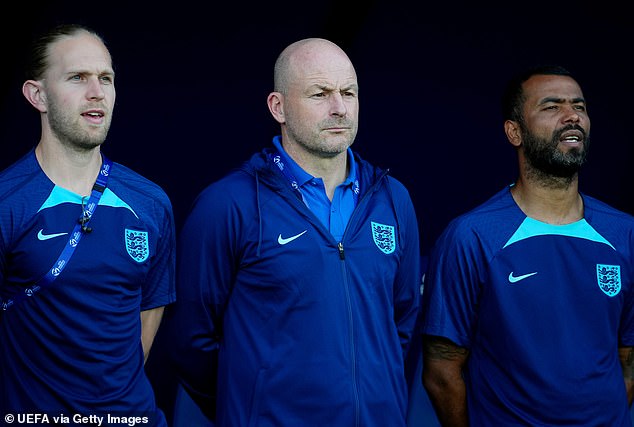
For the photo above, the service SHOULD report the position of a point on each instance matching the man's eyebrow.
(327, 86)
(559, 100)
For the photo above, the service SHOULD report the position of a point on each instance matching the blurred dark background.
(192, 81)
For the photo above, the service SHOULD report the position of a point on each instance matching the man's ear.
(513, 133)
(34, 93)
(275, 101)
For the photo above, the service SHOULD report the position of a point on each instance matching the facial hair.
(547, 160)
(67, 127)
(312, 141)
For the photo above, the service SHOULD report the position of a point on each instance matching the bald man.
(298, 280)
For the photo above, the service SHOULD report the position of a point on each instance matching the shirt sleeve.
(160, 289)
(451, 288)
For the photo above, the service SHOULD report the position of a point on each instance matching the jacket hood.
(260, 167)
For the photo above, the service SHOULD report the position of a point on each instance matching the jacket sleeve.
(205, 272)
(407, 284)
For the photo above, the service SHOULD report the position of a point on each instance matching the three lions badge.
(384, 237)
(137, 244)
(609, 279)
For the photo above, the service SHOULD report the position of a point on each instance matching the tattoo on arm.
(440, 348)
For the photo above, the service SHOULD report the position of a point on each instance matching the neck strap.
(80, 229)
(277, 159)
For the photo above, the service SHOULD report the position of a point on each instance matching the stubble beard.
(67, 128)
(321, 145)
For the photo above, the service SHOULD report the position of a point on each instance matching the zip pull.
(341, 253)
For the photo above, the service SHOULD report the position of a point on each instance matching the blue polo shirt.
(333, 214)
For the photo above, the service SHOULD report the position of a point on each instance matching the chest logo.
(609, 279)
(384, 237)
(282, 241)
(137, 244)
(514, 279)
(42, 236)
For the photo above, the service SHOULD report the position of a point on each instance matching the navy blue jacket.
(277, 323)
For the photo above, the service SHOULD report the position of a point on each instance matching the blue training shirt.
(542, 309)
(75, 346)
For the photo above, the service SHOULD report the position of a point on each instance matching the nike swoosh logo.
(283, 241)
(42, 236)
(514, 279)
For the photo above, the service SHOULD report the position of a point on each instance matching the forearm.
(449, 402)
(443, 381)
(626, 356)
(150, 321)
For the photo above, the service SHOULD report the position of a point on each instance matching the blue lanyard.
(276, 158)
(80, 229)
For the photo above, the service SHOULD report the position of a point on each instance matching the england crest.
(384, 237)
(137, 244)
(609, 279)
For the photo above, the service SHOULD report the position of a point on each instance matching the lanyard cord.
(80, 229)
(277, 160)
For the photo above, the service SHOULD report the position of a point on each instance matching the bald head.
(304, 57)
(316, 103)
